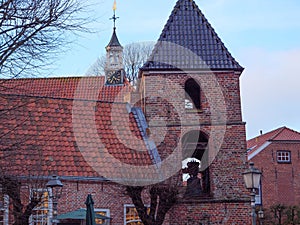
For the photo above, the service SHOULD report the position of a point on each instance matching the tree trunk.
(12, 187)
(162, 199)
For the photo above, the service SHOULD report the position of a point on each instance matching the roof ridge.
(292, 130)
(265, 134)
(65, 99)
(280, 129)
(45, 78)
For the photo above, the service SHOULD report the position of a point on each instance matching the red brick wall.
(163, 101)
(220, 118)
(280, 181)
(191, 212)
(105, 195)
(169, 88)
(197, 212)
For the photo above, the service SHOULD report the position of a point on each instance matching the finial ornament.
(115, 5)
(114, 18)
(114, 71)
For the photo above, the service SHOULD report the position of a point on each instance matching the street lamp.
(252, 180)
(56, 190)
(261, 216)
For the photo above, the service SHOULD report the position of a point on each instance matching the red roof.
(45, 136)
(88, 88)
(280, 134)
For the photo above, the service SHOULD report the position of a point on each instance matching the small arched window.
(192, 94)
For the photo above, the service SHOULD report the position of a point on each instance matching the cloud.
(270, 89)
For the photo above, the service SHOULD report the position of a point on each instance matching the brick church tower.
(190, 94)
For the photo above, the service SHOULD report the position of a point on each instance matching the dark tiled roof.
(88, 88)
(188, 41)
(45, 136)
(114, 41)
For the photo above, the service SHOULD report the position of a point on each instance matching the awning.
(79, 214)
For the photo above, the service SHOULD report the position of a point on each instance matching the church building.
(180, 126)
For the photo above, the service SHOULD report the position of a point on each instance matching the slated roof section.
(45, 136)
(114, 41)
(200, 46)
(280, 134)
(88, 88)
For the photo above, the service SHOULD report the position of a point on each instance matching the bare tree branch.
(97, 68)
(134, 57)
(162, 198)
(33, 31)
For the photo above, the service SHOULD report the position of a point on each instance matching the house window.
(102, 212)
(283, 156)
(131, 216)
(4, 203)
(258, 196)
(41, 213)
(192, 95)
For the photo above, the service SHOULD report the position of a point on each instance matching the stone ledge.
(213, 200)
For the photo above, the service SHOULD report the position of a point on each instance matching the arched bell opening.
(195, 168)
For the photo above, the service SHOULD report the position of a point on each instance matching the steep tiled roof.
(88, 88)
(45, 136)
(280, 134)
(188, 41)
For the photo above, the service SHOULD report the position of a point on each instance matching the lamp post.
(56, 189)
(261, 216)
(252, 180)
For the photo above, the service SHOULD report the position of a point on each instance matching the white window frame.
(107, 212)
(50, 205)
(131, 206)
(258, 196)
(5, 209)
(280, 154)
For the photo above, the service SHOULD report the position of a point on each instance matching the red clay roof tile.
(88, 88)
(280, 134)
(72, 142)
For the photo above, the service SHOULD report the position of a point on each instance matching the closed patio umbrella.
(90, 214)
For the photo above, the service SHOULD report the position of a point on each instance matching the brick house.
(99, 134)
(276, 154)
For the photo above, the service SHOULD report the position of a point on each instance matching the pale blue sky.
(263, 35)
